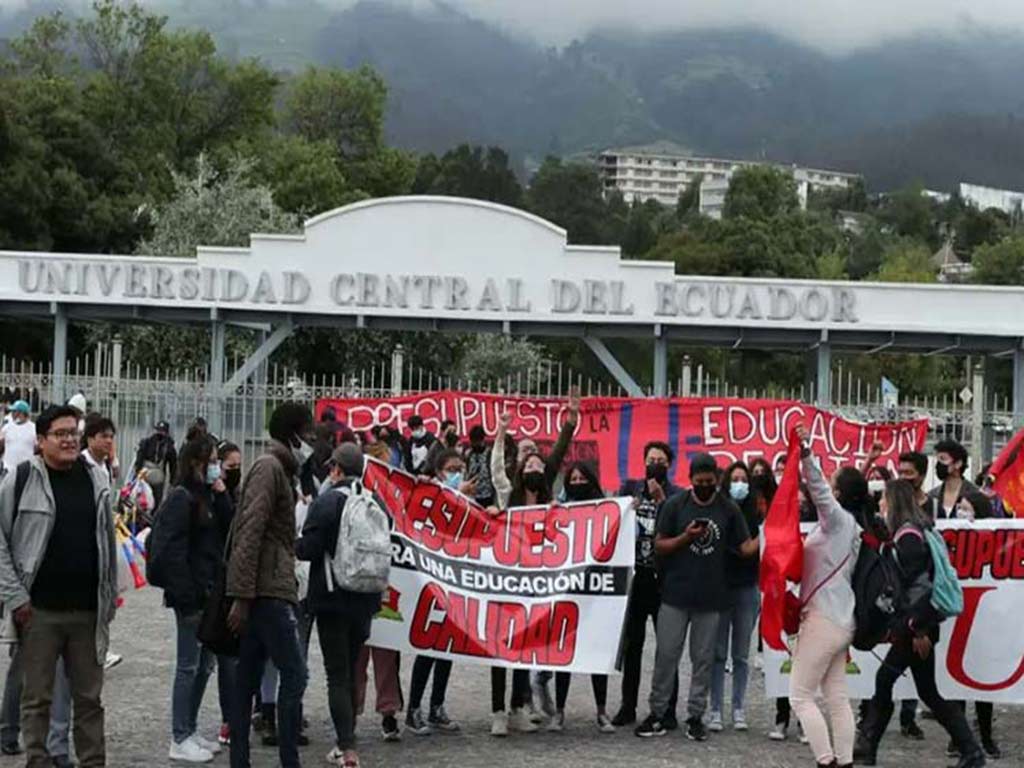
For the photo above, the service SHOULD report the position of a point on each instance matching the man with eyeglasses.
(58, 580)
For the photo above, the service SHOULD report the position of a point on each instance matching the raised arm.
(499, 477)
(554, 461)
(830, 514)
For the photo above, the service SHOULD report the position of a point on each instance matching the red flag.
(1008, 471)
(782, 559)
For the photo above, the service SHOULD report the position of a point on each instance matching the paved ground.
(138, 704)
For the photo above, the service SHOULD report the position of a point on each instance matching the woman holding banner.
(448, 470)
(582, 485)
(826, 609)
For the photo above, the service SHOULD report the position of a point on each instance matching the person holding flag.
(825, 569)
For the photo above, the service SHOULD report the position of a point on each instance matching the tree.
(689, 198)
(910, 213)
(760, 192)
(493, 358)
(346, 108)
(639, 235)
(304, 175)
(468, 171)
(1000, 263)
(572, 196)
(906, 262)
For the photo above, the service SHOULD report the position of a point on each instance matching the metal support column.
(820, 370)
(58, 393)
(1018, 385)
(660, 366)
(977, 446)
(217, 366)
(597, 346)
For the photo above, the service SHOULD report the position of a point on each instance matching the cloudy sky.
(830, 24)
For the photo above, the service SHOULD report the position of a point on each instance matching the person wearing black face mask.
(950, 465)
(649, 494)
(695, 531)
(581, 485)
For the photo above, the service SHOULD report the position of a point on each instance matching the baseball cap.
(20, 406)
(162, 426)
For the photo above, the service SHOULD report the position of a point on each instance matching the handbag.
(792, 606)
(214, 632)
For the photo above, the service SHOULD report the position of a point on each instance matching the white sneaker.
(715, 722)
(728, 666)
(739, 720)
(758, 661)
(210, 746)
(335, 756)
(190, 752)
(112, 660)
(519, 720)
(778, 733)
(803, 736)
(535, 716)
(604, 724)
(499, 724)
(557, 723)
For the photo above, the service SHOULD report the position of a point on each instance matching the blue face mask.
(212, 473)
(739, 490)
(453, 480)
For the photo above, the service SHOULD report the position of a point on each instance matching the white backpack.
(362, 554)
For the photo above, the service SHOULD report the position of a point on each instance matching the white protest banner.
(538, 587)
(980, 654)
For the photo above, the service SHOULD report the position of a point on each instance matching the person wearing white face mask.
(739, 618)
(417, 448)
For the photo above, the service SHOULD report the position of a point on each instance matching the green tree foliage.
(906, 262)
(760, 192)
(493, 358)
(470, 171)
(1000, 263)
(571, 195)
(909, 213)
(689, 198)
(304, 175)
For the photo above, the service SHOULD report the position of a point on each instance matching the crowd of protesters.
(258, 543)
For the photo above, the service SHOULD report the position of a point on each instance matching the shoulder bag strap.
(826, 580)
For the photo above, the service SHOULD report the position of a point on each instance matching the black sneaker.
(415, 723)
(670, 722)
(389, 728)
(912, 731)
(652, 726)
(624, 717)
(269, 737)
(991, 748)
(973, 760)
(695, 730)
(11, 748)
(952, 750)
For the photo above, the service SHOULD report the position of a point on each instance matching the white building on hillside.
(983, 198)
(661, 171)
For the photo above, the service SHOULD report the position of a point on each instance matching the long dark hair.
(767, 487)
(852, 493)
(903, 508)
(586, 469)
(199, 450)
(518, 496)
(727, 476)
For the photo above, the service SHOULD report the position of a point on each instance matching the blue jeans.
(192, 671)
(271, 633)
(737, 621)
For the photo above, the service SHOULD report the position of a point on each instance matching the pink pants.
(385, 680)
(820, 661)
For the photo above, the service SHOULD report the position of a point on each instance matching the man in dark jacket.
(261, 581)
(158, 457)
(645, 594)
(418, 446)
(343, 618)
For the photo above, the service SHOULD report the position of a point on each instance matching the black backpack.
(878, 591)
(156, 543)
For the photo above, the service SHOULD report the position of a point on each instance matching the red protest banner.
(530, 587)
(613, 431)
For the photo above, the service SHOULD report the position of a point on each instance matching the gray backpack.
(362, 553)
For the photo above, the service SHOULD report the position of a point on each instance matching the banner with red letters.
(980, 654)
(538, 587)
(613, 431)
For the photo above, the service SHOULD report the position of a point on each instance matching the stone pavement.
(137, 697)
